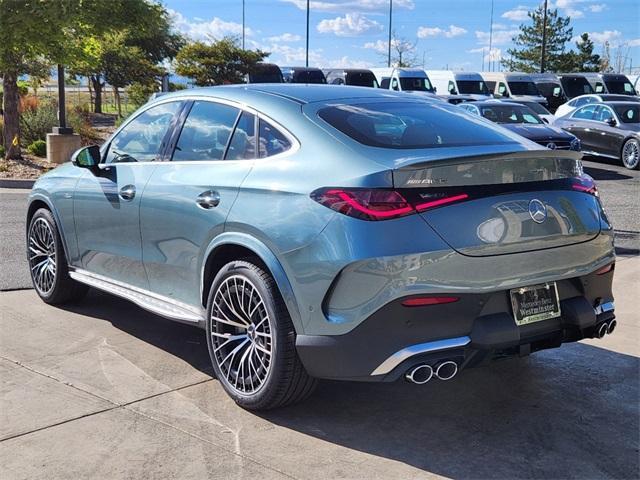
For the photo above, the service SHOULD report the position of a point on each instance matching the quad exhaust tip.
(612, 326)
(421, 374)
(602, 330)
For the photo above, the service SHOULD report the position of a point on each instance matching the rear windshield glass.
(308, 76)
(510, 114)
(523, 88)
(628, 114)
(411, 125)
(576, 86)
(361, 79)
(415, 84)
(472, 87)
(620, 86)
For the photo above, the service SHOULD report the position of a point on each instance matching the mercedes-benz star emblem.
(551, 146)
(537, 211)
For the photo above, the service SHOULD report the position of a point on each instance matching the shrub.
(36, 123)
(2, 152)
(139, 93)
(38, 148)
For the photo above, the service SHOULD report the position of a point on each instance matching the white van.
(403, 79)
(516, 86)
(448, 82)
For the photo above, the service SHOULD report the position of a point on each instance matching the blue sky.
(453, 34)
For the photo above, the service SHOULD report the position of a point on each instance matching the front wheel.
(47, 262)
(631, 154)
(251, 339)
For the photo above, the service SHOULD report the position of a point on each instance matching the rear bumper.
(477, 328)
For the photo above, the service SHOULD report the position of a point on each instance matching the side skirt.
(159, 304)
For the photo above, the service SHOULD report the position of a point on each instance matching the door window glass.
(502, 89)
(603, 114)
(394, 84)
(599, 87)
(272, 141)
(243, 141)
(206, 132)
(141, 139)
(585, 113)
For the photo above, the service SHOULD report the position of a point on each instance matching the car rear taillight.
(377, 204)
(606, 269)
(585, 184)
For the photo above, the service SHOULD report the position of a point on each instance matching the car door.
(607, 135)
(188, 197)
(107, 204)
(580, 123)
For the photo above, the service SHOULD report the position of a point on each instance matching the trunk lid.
(514, 203)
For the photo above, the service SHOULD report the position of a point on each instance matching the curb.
(16, 183)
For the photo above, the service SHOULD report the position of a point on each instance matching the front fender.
(269, 259)
(38, 196)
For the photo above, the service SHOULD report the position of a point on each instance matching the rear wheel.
(631, 154)
(47, 262)
(251, 340)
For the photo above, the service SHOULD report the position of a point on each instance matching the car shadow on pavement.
(571, 412)
(183, 341)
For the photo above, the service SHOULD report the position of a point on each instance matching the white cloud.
(597, 8)
(500, 37)
(634, 43)
(494, 55)
(380, 46)
(517, 14)
(285, 37)
(206, 29)
(611, 36)
(346, 62)
(452, 31)
(337, 6)
(351, 25)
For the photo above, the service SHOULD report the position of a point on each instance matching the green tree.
(525, 57)
(218, 63)
(587, 61)
(34, 29)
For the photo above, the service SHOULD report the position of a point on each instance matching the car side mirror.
(612, 122)
(87, 157)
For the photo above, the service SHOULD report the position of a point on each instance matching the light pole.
(242, 24)
(490, 36)
(390, 17)
(306, 64)
(544, 38)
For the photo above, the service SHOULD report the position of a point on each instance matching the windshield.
(411, 125)
(523, 88)
(308, 76)
(623, 87)
(576, 86)
(510, 114)
(628, 114)
(266, 75)
(471, 87)
(361, 79)
(536, 107)
(415, 84)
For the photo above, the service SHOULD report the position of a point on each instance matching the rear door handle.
(128, 192)
(208, 199)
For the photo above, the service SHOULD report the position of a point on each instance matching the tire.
(247, 317)
(47, 262)
(630, 154)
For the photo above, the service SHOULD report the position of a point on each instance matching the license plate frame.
(535, 303)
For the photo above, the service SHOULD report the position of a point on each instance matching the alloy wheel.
(631, 154)
(42, 255)
(241, 335)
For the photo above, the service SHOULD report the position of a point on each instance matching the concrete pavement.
(103, 389)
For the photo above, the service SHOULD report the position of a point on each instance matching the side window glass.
(599, 87)
(603, 114)
(394, 84)
(585, 113)
(385, 83)
(272, 141)
(452, 88)
(141, 139)
(502, 89)
(206, 132)
(243, 141)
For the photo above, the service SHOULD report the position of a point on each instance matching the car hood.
(538, 132)
(528, 98)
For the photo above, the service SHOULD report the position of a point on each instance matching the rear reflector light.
(376, 204)
(605, 269)
(424, 301)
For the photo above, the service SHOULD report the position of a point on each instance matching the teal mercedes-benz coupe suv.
(318, 231)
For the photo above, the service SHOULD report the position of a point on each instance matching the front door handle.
(208, 199)
(128, 192)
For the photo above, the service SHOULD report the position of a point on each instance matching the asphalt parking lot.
(103, 389)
